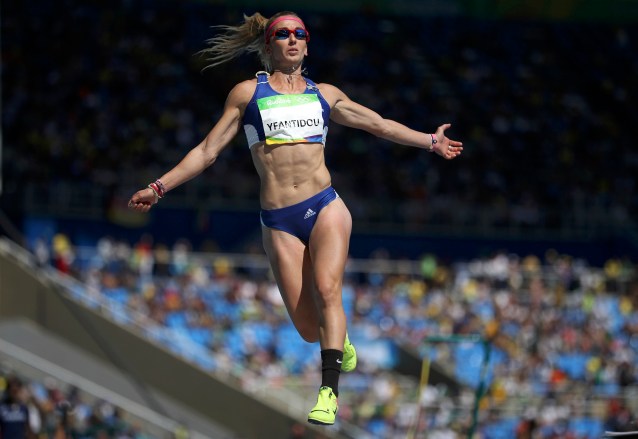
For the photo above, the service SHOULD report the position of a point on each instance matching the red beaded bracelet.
(158, 188)
(161, 187)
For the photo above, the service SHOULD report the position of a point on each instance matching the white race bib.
(292, 118)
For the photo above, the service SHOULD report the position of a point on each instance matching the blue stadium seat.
(176, 319)
(588, 428)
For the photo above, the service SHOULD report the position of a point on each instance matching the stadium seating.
(583, 332)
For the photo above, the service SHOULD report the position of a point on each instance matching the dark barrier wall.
(237, 231)
(22, 294)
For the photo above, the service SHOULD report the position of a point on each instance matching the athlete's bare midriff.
(289, 173)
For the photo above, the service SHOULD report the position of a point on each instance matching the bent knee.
(329, 292)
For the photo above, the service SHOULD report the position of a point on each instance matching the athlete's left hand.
(445, 147)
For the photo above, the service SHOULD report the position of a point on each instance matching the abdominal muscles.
(289, 173)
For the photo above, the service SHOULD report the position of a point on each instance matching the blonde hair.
(247, 37)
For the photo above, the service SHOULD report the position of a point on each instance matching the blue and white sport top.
(281, 118)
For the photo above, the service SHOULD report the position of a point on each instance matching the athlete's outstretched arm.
(203, 155)
(346, 112)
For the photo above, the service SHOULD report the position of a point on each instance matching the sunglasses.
(284, 33)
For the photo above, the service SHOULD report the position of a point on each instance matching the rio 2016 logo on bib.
(291, 119)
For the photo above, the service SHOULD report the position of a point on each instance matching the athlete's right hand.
(143, 200)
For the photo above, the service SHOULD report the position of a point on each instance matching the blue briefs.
(300, 218)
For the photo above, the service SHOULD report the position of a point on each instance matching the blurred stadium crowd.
(564, 334)
(31, 408)
(110, 95)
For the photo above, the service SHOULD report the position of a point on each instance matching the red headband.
(282, 18)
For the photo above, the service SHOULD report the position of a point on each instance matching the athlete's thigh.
(290, 262)
(329, 243)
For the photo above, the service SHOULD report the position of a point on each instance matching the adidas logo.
(309, 213)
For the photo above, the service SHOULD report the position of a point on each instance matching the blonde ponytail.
(247, 37)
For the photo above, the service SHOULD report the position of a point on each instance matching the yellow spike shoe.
(325, 412)
(349, 356)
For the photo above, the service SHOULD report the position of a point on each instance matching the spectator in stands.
(306, 226)
(14, 412)
(619, 417)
